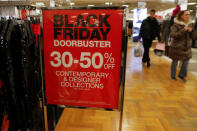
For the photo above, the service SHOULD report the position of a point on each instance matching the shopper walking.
(148, 31)
(180, 49)
(165, 30)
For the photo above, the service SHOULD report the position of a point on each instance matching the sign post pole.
(44, 105)
(123, 66)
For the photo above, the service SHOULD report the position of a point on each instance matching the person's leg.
(145, 55)
(149, 44)
(183, 71)
(173, 69)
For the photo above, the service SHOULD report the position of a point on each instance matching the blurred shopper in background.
(148, 31)
(165, 32)
(165, 28)
(130, 28)
(194, 42)
(180, 49)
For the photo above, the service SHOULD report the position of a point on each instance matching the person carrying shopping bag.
(180, 49)
(148, 31)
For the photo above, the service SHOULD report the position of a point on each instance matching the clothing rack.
(20, 74)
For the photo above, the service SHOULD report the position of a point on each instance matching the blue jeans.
(183, 71)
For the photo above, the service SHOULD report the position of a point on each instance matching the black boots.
(173, 78)
(148, 64)
(182, 78)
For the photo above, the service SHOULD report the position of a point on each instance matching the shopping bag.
(160, 46)
(138, 50)
(159, 49)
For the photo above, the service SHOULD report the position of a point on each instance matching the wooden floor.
(153, 102)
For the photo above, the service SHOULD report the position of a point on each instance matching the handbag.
(159, 49)
(138, 50)
(160, 46)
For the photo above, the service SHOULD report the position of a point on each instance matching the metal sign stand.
(122, 70)
(124, 59)
(44, 107)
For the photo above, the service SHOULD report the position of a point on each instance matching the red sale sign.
(82, 56)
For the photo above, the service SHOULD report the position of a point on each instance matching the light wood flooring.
(153, 102)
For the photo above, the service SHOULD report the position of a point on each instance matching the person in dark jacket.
(180, 49)
(165, 33)
(148, 31)
(165, 30)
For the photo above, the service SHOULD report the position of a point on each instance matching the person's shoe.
(148, 64)
(182, 78)
(174, 78)
(143, 61)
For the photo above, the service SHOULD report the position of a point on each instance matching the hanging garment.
(17, 72)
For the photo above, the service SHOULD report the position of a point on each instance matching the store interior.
(25, 109)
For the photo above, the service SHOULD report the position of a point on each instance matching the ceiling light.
(72, 3)
(91, 5)
(39, 4)
(192, 3)
(131, 10)
(107, 3)
(167, 0)
(125, 5)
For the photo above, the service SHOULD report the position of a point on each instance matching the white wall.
(8, 11)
